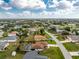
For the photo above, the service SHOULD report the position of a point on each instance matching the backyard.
(7, 54)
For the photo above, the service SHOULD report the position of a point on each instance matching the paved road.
(62, 48)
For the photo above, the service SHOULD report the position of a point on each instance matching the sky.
(39, 9)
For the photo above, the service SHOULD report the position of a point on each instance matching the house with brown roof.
(39, 37)
(39, 45)
(36, 46)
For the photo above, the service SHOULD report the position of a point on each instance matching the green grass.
(51, 42)
(75, 57)
(60, 37)
(2, 55)
(2, 38)
(7, 53)
(19, 55)
(47, 36)
(71, 46)
(52, 53)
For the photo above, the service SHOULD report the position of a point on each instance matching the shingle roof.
(34, 55)
(2, 45)
(28, 47)
(74, 37)
(10, 38)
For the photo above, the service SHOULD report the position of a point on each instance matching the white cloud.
(6, 6)
(64, 4)
(44, 14)
(1, 2)
(29, 4)
(64, 9)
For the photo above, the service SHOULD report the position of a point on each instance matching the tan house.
(39, 37)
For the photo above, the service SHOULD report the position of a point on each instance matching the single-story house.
(3, 45)
(18, 26)
(34, 55)
(10, 39)
(73, 38)
(1, 26)
(39, 37)
(60, 31)
(12, 33)
(28, 47)
(36, 46)
(39, 45)
(32, 30)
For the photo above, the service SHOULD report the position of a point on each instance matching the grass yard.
(71, 46)
(7, 53)
(52, 53)
(51, 42)
(60, 37)
(19, 55)
(47, 36)
(75, 57)
(2, 55)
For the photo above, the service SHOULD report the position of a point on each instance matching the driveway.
(65, 53)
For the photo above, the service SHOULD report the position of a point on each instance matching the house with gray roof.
(28, 47)
(73, 38)
(3, 45)
(33, 55)
(10, 39)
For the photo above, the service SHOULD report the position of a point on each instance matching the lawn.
(71, 46)
(19, 55)
(51, 42)
(2, 55)
(7, 53)
(75, 57)
(47, 36)
(52, 53)
(60, 37)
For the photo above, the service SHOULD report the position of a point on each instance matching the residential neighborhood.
(39, 39)
(39, 29)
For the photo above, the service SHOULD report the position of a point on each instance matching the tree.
(42, 32)
(5, 34)
(65, 33)
(53, 29)
(67, 28)
(76, 32)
